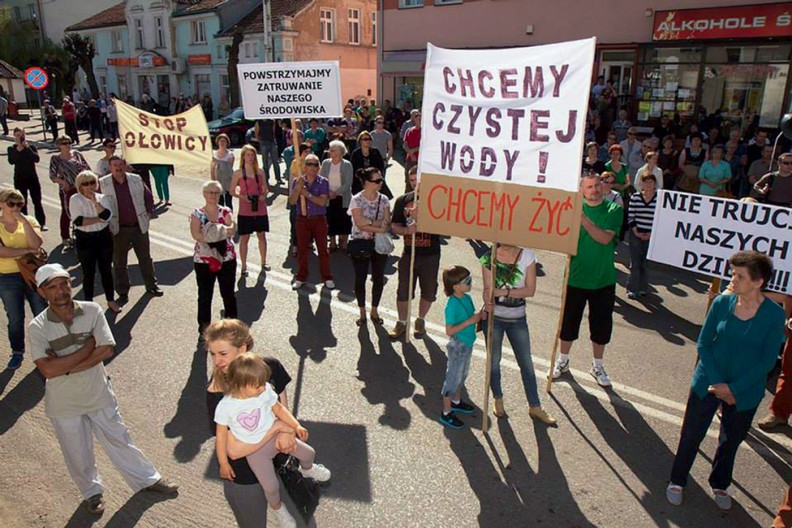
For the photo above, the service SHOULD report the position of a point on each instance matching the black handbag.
(363, 248)
(360, 248)
(303, 491)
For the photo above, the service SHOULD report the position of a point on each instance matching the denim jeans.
(458, 366)
(269, 156)
(520, 340)
(733, 430)
(13, 292)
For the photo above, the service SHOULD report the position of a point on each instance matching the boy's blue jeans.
(458, 366)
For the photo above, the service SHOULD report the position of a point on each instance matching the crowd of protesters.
(340, 200)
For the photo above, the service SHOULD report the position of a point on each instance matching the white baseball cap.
(50, 271)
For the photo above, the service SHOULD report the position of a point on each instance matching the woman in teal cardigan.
(737, 347)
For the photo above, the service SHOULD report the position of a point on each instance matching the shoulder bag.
(303, 491)
(383, 243)
(29, 263)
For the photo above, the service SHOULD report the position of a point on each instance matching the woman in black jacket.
(366, 156)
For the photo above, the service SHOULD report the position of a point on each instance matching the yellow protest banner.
(168, 140)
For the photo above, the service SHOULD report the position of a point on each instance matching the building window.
(17, 14)
(103, 84)
(221, 51)
(411, 3)
(198, 32)
(122, 85)
(225, 89)
(251, 50)
(327, 23)
(354, 25)
(288, 44)
(374, 28)
(447, 2)
(117, 41)
(203, 84)
(139, 37)
(159, 28)
(32, 11)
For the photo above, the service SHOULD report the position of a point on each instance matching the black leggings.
(95, 249)
(361, 267)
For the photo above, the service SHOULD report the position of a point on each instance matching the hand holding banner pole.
(549, 386)
(490, 327)
(296, 145)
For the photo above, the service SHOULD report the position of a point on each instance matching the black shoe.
(122, 299)
(95, 504)
(462, 407)
(155, 291)
(450, 420)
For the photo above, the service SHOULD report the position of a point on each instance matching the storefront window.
(672, 55)
(732, 54)
(667, 89)
(745, 92)
(411, 90)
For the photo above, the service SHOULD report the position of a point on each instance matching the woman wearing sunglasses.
(366, 156)
(19, 235)
(64, 168)
(90, 212)
(370, 212)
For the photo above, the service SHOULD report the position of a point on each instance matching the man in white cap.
(69, 342)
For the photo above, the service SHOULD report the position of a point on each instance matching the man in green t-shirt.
(592, 278)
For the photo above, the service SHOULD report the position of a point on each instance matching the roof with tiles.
(253, 22)
(192, 7)
(8, 71)
(112, 16)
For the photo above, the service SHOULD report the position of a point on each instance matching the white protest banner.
(290, 89)
(699, 233)
(150, 138)
(502, 136)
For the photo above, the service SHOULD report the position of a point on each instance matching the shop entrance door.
(618, 66)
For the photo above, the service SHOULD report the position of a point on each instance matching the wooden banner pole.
(411, 280)
(549, 386)
(490, 328)
(296, 145)
(715, 288)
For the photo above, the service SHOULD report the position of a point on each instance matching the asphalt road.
(371, 405)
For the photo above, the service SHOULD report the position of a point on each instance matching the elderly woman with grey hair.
(212, 227)
(340, 174)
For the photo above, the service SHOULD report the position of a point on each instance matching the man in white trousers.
(69, 342)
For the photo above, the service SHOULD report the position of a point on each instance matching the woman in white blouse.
(340, 174)
(90, 213)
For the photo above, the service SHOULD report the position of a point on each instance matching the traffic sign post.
(37, 79)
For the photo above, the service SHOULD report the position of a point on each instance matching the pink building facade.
(688, 57)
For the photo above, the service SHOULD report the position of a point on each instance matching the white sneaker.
(330, 285)
(603, 380)
(317, 472)
(296, 285)
(561, 367)
(285, 518)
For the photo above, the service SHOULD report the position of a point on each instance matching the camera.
(254, 202)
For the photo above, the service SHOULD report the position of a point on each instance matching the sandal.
(377, 320)
(361, 321)
(244, 272)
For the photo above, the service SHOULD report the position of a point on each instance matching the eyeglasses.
(88, 183)
(467, 281)
(365, 139)
(312, 164)
(212, 192)
(608, 181)
(786, 162)
(376, 182)
(15, 204)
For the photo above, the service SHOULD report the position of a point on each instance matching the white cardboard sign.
(290, 89)
(699, 233)
(514, 115)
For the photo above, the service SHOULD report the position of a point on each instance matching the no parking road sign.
(36, 78)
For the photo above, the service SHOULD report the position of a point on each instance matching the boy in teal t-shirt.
(461, 318)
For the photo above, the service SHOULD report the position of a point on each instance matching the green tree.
(83, 51)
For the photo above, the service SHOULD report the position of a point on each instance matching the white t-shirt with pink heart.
(248, 419)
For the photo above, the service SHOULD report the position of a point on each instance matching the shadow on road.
(386, 379)
(314, 336)
(21, 399)
(189, 421)
(126, 517)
